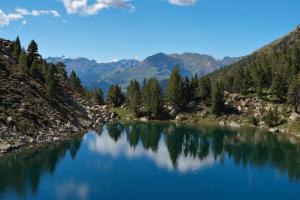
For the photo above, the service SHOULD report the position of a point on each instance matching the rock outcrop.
(28, 116)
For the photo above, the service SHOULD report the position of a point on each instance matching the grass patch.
(294, 127)
(124, 113)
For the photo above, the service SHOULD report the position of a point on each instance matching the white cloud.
(20, 13)
(82, 7)
(72, 189)
(105, 145)
(183, 2)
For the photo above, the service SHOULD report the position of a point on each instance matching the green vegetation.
(115, 96)
(272, 118)
(218, 106)
(152, 97)
(134, 96)
(204, 88)
(174, 93)
(75, 83)
(17, 47)
(274, 68)
(279, 87)
(36, 94)
(97, 95)
(32, 52)
(294, 94)
(23, 65)
(123, 113)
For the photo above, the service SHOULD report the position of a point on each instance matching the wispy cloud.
(82, 7)
(183, 2)
(21, 13)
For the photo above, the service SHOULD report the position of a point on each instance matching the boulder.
(240, 108)
(222, 123)
(5, 147)
(274, 130)
(173, 112)
(9, 119)
(237, 97)
(192, 105)
(244, 102)
(144, 119)
(294, 117)
(234, 125)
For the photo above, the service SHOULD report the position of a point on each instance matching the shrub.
(272, 118)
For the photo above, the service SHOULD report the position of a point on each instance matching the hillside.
(31, 113)
(159, 65)
(279, 56)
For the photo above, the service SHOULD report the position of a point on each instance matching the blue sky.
(114, 29)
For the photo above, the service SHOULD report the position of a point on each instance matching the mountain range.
(95, 74)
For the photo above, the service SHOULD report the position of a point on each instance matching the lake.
(157, 161)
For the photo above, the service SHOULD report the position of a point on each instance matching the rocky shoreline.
(245, 111)
(11, 140)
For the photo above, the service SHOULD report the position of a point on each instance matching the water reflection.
(136, 141)
(185, 148)
(182, 149)
(21, 172)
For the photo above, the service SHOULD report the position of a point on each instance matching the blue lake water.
(157, 161)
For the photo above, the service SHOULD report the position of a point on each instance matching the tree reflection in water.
(21, 171)
(182, 148)
(245, 146)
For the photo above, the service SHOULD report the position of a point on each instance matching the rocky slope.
(28, 116)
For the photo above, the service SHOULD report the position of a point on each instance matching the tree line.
(148, 97)
(275, 71)
(30, 63)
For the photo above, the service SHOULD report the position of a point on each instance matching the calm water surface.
(157, 161)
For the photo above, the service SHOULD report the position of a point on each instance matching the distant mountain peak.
(160, 65)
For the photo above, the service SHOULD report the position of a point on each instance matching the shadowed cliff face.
(180, 149)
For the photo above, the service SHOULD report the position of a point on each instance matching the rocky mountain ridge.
(159, 65)
(29, 117)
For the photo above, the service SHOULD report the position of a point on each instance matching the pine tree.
(152, 97)
(194, 86)
(204, 89)
(51, 82)
(17, 47)
(23, 65)
(188, 93)
(134, 96)
(74, 82)
(45, 67)
(35, 70)
(279, 87)
(115, 96)
(242, 80)
(32, 52)
(97, 95)
(144, 92)
(61, 69)
(294, 94)
(217, 98)
(174, 92)
(50, 73)
(51, 88)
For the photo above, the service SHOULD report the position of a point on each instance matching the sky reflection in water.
(157, 161)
